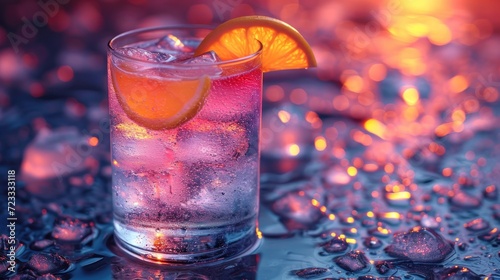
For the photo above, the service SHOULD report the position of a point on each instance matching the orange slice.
(282, 45)
(158, 103)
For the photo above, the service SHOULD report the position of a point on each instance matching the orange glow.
(443, 129)
(322, 209)
(354, 83)
(340, 103)
(437, 149)
(284, 116)
(440, 34)
(331, 217)
(458, 116)
(115, 163)
(274, 93)
(490, 94)
(314, 202)
(471, 105)
(338, 152)
(294, 149)
(410, 96)
(352, 171)
(370, 214)
(65, 73)
(377, 72)
(350, 220)
(383, 231)
(458, 84)
(353, 230)
(399, 195)
(447, 172)
(320, 143)
(392, 215)
(389, 168)
(375, 127)
(410, 114)
(93, 141)
(350, 240)
(370, 167)
(258, 232)
(357, 162)
(298, 96)
(313, 119)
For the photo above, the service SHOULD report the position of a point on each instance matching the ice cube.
(134, 148)
(44, 263)
(56, 153)
(222, 189)
(201, 65)
(353, 261)
(206, 141)
(420, 245)
(296, 211)
(145, 55)
(208, 57)
(172, 44)
(70, 230)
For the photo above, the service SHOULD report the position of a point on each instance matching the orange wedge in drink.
(282, 45)
(157, 103)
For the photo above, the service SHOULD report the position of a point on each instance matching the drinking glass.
(184, 146)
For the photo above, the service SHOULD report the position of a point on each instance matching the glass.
(187, 191)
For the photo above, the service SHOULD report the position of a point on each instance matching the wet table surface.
(383, 163)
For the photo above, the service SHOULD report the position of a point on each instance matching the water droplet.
(372, 242)
(47, 277)
(419, 244)
(309, 272)
(45, 263)
(71, 230)
(335, 245)
(456, 273)
(353, 261)
(383, 266)
(477, 224)
(490, 236)
(429, 222)
(463, 200)
(296, 210)
(42, 244)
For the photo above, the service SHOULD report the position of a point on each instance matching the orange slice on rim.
(282, 45)
(158, 103)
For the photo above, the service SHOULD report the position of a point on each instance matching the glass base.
(202, 247)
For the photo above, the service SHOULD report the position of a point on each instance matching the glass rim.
(238, 60)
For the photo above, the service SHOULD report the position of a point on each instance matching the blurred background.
(396, 127)
(52, 53)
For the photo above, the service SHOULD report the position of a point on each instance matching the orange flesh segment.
(157, 103)
(283, 46)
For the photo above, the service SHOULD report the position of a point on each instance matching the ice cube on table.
(56, 153)
(71, 230)
(42, 263)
